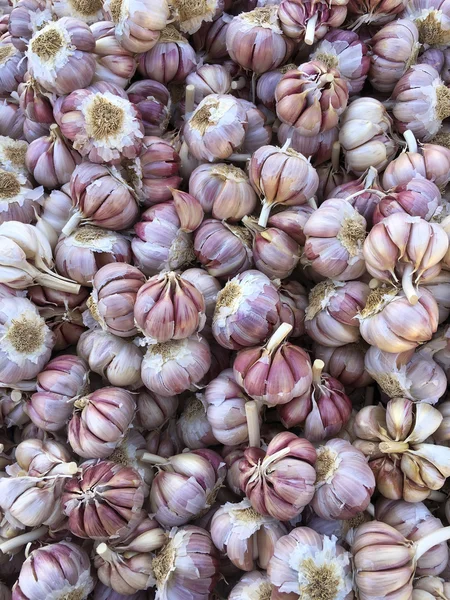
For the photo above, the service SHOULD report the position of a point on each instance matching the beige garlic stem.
(370, 509)
(189, 100)
(265, 212)
(393, 447)
(239, 157)
(72, 223)
(372, 174)
(239, 84)
(278, 337)
(311, 29)
(103, 550)
(55, 283)
(408, 286)
(433, 539)
(154, 459)
(437, 496)
(16, 396)
(22, 540)
(335, 156)
(252, 414)
(410, 141)
(317, 368)
(312, 203)
(374, 284)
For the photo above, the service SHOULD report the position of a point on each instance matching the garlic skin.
(19, 201)
(209, 286)
(263, 475)
(81, 254)
(164, 442)
(189, 210)
(102, 197)
(415, 521)
(335, 234)
(362, 193)
(137, 22)
(311, 98)
(442, 432)
(188, 488)
(293, 301)
(407, 375)
(254, 585)
(394, 440)
(160, 244)
(391, 323)
(209, 79)
(275, 253)
(432, 21)
(421, 102)
(111, 304)
(428, 588)
(114, 64)
(224, 250)
(226, 409)
(27, 18)
(168, 308)
(153, 102)
(246, 312)
(117, 360)
(54, 53)
(187, 563)
(374, 548)
(376, 12)
(94, 510)
(153, 410)
(345, 482)
(170, 60)
(216, 128)
(37, 108)
(190, 18)
(27, 342)
(256, 42)
(318, 148)
(12, 66)
(394, 49)
(100, 421)
(330, 318)
(365, 136)
(57, 570)
(55, 213)
(126, 565)
(173, 367)
(224, 191)
(281, 176)
(305, 562)
(292, 221)
(348, 53)
(58, 384)
(235, 529)
(102, 123)
(276, 372)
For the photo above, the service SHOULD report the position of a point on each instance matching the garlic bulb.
(81, 254)
(345, 482)
(305, 563)
(58, 570)
(54, 53)
(153, 101)
(116, 359)
(153, 410)
(100, 421)
(309, 21)
(113, 297)
(88, 11)
(173, 367)
(18, 200)
(137, 23)
(247, 537)
(27, 342)
(94, 511)
(101, 122)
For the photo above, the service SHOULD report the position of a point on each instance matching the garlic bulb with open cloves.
(309, 20)
(394, 439)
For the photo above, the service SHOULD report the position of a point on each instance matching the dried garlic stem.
(408, 286)
(251, 412)
(22, 540)
(317, 368)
